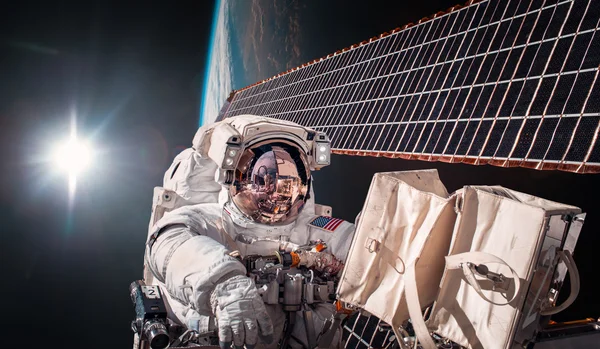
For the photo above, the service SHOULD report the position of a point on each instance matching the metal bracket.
(500, 282)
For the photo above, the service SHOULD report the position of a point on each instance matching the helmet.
(271, 182)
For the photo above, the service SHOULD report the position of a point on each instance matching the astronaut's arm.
(198, 271)
(339, 242)
(190, 265)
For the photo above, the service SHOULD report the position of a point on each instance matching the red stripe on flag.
(333, 223)
(338, 224)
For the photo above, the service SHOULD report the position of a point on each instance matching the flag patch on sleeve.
(326, 223)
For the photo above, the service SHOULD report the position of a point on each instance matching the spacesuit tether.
(237, 245)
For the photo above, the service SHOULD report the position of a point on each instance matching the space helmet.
(271, 182)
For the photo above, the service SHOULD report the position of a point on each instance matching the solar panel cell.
(414, 137)
(430, 138)
(449, 102)
(560, 54)
(595, 152)
(498, 97)
(515, 59)
(590, 20)
(560, 138)
(543, 94)
(592, 53)
(478, 142)
(560, 95)
(543, 138)
(405, 137)
(452, 145)
(542, 27)
(528, 24)
(525, 138)
(581, 140)
(579, 93)
(481, 110)
(509, 138)
(467, 137)
(445, 135)
(593, 103)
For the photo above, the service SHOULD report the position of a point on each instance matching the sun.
(72, 157)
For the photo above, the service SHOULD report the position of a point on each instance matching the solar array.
(368, 332)
(507, 83)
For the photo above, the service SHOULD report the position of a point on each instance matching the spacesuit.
(243, 189)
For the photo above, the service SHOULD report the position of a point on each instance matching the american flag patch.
(326, 223)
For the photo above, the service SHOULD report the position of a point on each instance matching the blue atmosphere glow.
(213, 34)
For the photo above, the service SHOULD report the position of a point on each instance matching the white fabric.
(496, 227)
(499, 222)
(549, 206)
(186, 263)
(458, 261)
(414, 307)
(267, 239)
(240, 312)
(462, 260)
(192, 177)
(406, 215)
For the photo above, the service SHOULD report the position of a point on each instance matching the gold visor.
(271, 182)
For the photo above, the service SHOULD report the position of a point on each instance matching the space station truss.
(500, 82)
(365, 331)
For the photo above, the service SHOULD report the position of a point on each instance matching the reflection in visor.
(271, 182)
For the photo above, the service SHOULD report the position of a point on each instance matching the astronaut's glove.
(240, 312)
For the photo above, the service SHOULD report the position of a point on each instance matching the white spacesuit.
(243, 189)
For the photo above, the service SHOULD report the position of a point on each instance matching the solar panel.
(507, 83)
(364, 331)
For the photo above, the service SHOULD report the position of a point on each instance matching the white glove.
(240, 313)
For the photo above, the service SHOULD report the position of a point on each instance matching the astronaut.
(244, 188)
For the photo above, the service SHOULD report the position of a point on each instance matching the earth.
(253, 40)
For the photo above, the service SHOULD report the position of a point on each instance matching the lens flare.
(72, 156)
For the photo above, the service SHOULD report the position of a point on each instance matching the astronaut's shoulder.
(203, 209)
(190, 215)
(327, 223)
